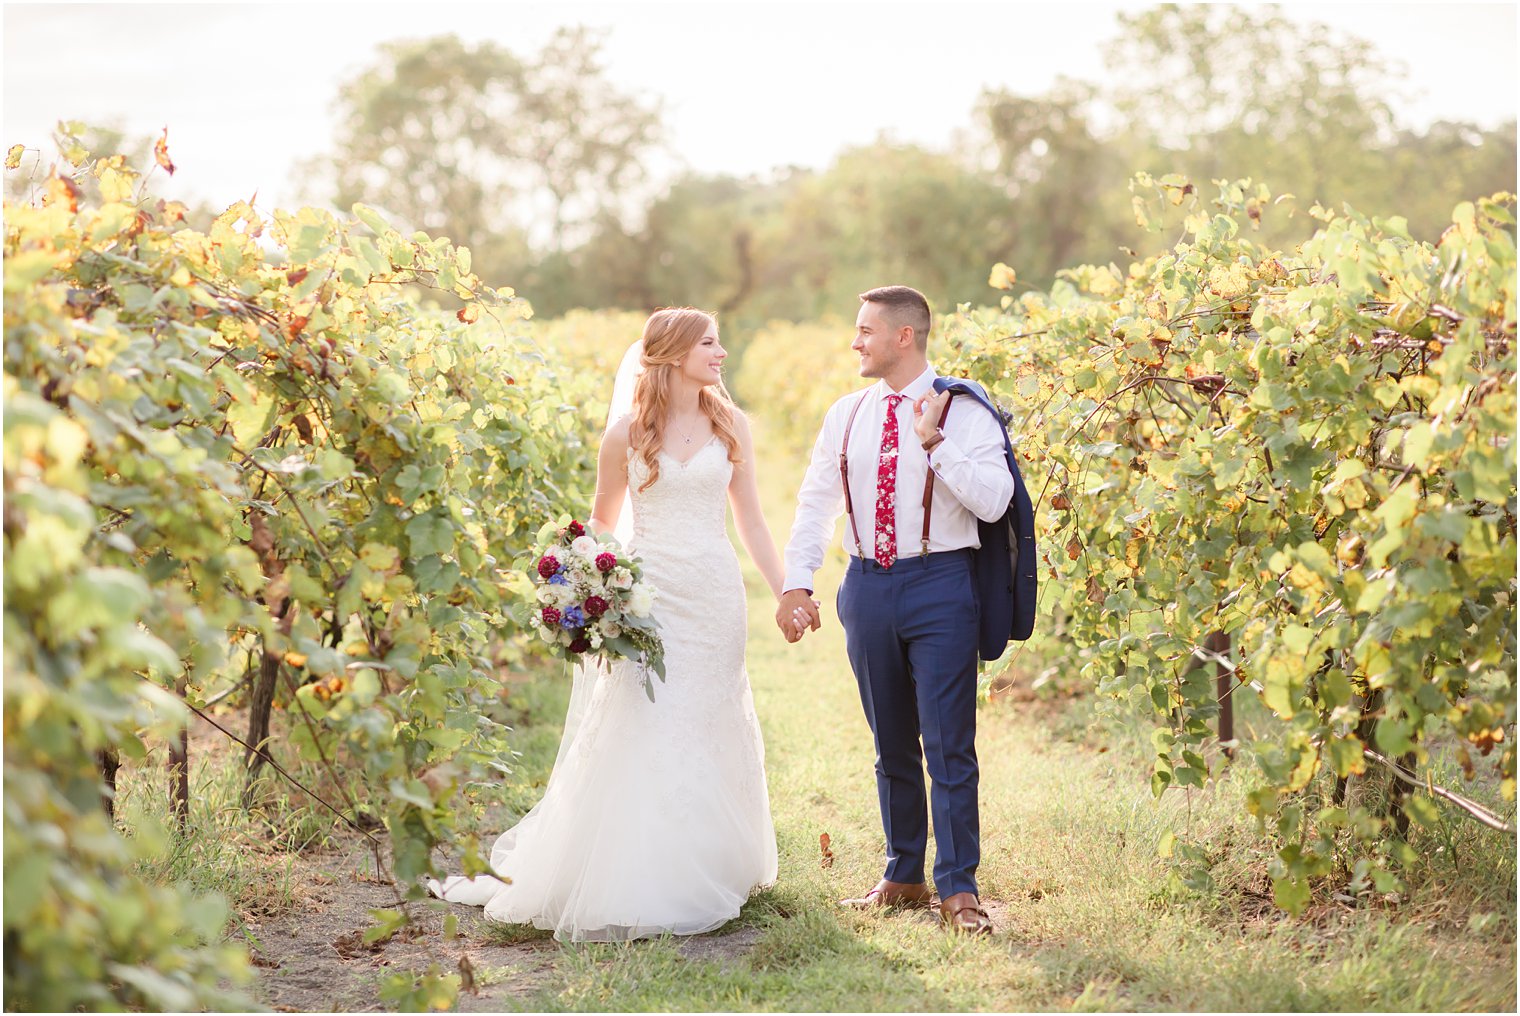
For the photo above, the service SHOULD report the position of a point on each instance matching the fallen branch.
(1472, 808)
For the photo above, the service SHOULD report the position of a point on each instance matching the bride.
(656, 817)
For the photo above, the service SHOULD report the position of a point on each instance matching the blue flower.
(572, 618)
(558, 579)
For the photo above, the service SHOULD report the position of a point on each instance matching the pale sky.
(248, 89)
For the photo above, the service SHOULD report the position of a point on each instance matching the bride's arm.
(611, 477)
(744, 495)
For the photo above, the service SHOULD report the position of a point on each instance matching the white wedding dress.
(656, 818)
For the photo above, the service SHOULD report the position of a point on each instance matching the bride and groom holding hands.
(656, 817)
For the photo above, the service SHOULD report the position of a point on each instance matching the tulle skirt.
(656, 818)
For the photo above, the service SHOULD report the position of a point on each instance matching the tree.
(881, 213)
(501, 153)
(699, 244)
(1226, 92)
(1235, 92)
(1445, 163)
(1066, 182)
(585, 140)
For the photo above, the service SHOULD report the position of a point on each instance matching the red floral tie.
(886, 487)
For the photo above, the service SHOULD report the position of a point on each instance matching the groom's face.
(876, 340)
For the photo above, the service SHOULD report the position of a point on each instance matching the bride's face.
(703, 365)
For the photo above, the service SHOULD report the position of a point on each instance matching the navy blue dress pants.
(911, 634)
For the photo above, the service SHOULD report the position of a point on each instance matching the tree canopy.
(539, 163)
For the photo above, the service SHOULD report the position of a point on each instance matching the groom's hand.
(796, 613)
(927, 412)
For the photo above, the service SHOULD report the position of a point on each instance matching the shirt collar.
(921, 385)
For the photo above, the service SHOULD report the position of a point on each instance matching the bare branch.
(1472, 808)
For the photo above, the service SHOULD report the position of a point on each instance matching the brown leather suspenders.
(844, 477)
(844, 473)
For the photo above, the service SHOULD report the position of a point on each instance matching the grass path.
(1084, 918)
(1070, 868)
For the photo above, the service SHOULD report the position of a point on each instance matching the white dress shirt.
(971, 479)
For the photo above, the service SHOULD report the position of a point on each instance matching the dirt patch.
(313, 958)
(718, 947)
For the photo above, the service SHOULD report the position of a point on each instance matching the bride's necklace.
(685, 436)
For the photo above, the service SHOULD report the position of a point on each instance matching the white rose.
(546, 594)
(609, 628)
(640, 600)
(621, 578)
(585, 547)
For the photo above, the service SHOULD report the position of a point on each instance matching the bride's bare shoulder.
(617, 436)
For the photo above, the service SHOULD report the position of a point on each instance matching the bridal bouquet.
(591, 600)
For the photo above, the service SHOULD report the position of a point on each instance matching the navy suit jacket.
(1006, 579)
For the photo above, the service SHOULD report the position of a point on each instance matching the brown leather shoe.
(963, 912)
(893, 894)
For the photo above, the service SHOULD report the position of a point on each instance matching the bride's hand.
(796, 612)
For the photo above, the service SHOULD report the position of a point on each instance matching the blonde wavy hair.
(669, 335)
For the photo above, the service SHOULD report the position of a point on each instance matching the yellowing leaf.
(1465, 216)
(1346, 756)
(161, 152)
(379, 556)
(1417, 441)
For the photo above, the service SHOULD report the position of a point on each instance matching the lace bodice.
(687, 503)
(680, 533)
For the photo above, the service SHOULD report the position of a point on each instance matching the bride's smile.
(704, 364)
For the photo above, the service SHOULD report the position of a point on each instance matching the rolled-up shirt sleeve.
(972, 464)
(820, 501)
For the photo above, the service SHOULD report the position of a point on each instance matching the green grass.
(245, 857)
(1086, 920)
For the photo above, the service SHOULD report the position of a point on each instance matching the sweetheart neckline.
(694, 454)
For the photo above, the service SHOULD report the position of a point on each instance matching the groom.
(908, 601)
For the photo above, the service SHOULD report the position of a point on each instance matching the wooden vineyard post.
(179, 767)
(1224, 688)
(110, 761)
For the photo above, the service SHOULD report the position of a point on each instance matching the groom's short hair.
(907, 306)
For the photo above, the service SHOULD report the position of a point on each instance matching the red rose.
(606, 562)
(596, 606)
(551, 616)
(575, 529)
(548, 565)
(580, 645)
